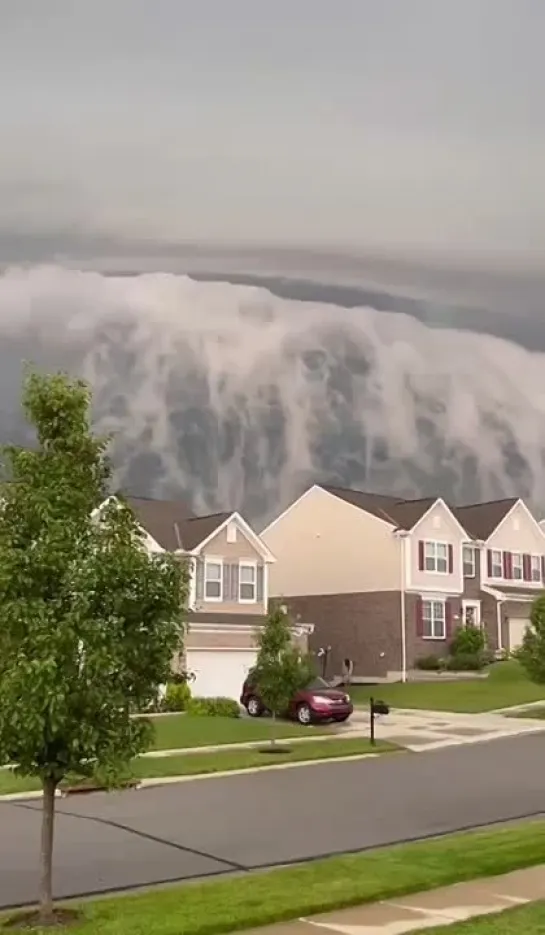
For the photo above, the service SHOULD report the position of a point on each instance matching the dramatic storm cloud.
(238, 398)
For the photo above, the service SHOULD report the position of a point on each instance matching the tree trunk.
(49, 787)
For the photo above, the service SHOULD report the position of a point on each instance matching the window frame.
(517, 557)
(494, 552)
(472, 563)
(217, 599)
(434, 544)
(535, 560)
(433, 619)
(244, 563)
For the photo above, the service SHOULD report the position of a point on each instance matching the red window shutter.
(450, 559)
(507, 565)
(419, 617)
(543, 567)
(448, 619)
(489, 562)
(526, 568)
(420, 556)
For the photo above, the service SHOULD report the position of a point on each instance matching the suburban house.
(228, 598)
(504, 569)
(386, 580)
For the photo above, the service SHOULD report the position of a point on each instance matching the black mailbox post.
(376, 707)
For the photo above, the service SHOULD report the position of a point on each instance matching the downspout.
(403, 614)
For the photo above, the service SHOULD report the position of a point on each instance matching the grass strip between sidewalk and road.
(196, 764)
(258, 899)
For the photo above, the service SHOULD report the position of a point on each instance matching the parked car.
(318, 702)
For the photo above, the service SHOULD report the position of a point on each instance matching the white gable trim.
(289, 508)
(149, 541)
(244, 527)
(441, 502)
(529, 514)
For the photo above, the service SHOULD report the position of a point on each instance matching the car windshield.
(319, 683)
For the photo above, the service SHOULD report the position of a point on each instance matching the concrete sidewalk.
(440, 907)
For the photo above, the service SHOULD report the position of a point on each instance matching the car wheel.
(304, 714)
(254, 707)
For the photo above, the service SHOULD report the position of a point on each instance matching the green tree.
(532, 652)
(281, 668)
(89, 621)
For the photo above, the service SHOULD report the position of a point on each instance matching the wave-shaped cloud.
(238, 398)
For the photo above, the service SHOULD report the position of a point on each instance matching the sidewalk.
(440, 907)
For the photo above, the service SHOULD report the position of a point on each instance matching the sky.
(415, 128)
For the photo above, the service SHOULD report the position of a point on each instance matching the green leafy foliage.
(177, 697)
(214, 707)
(468, 641)
(89, 621)
(430, 663)
(281, 668)
(531, 654)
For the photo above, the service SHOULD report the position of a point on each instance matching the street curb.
(175, 780)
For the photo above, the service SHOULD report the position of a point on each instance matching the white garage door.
(517, 629)
(219, 672)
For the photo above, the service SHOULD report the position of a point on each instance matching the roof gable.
(402, 514)
(481, 519)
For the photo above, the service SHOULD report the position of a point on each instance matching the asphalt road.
(240, 823)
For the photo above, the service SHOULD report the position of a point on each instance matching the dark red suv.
(317, 702)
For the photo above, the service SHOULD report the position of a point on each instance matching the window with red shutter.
(507, 565)
(450, 559)
(489, 562)
(419, 617)
(420, 556)
(448, 620)
(543, 567)
(527, 567)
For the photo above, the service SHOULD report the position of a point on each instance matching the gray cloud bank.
(238, 398)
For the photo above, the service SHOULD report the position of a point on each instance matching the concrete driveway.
(239, 823)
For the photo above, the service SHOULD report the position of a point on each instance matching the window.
(434, 620)
(496, 564)
(517, 566)
(469, 561)
(535, 567)
(213, 581)
(247, 583)
(436, 557)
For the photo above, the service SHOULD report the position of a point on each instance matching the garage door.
(219, 672)
(517, 629)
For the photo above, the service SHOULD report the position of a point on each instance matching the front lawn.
(249, 901)
(529, 920)
(194, 764)
(506, 685)
(178, 731)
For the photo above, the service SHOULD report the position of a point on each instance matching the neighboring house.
(228, 598)
(504, 569)
(386, 580)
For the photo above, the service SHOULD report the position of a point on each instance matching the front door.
(471, 611)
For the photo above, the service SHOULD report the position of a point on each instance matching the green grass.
(505, 685)
(258, 899)
(178, 731)
(194, 764)
(529, 920)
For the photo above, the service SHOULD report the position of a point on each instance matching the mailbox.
(376, 706)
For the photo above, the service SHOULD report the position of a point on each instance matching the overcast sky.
(414, 125)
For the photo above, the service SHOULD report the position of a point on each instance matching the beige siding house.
(229, 566)
(386, 581)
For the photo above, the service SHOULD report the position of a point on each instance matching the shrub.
(214, 707)
(468, 641)
(466, 662)
(429, 664)
(177, 697)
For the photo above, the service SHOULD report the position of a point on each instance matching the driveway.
(240, 823)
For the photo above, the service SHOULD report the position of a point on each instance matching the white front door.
(471, 613)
